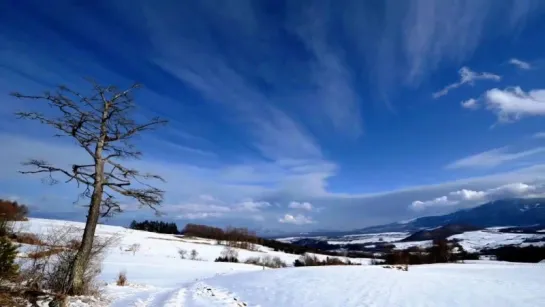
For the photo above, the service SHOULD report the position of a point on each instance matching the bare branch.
(109, 206)
(150, 197)
(44, 167)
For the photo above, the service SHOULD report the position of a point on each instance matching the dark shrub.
(226, 259)
(12, 211)
(8, 252)
(530, 253)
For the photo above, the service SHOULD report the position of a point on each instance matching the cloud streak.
(466, 196)
(467, 76)
(520, 64)
(493, 158)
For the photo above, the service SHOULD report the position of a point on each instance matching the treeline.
(531, 254)
(233, 237)
(230, 236)
(155, 226)
(441, 251)
(243, 238)
(12, 211)
(312, 260)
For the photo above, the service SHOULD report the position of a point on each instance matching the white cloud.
(520, 64)
(539, 135)
(470, 104)
(467, 76)
(295, 219)
(493, 158)
(279, 182)
(199, 215)
(206, 197)
(252, 206)
(512, 104)
(465, 196)
(334, 92)
(439, 201)
(441, 31)
(203, 211)
(300, 205)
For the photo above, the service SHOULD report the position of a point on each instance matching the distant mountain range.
(506, 212)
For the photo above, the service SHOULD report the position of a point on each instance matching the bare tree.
(101, 124)
(194, 254)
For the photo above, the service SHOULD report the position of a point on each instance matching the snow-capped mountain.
(505, 212)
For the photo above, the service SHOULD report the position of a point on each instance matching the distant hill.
(439, 233)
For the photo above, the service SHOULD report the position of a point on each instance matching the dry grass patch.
(44, 253)
(121, 279)
(26, 238)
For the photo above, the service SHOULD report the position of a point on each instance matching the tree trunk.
(77, 275)
(82, 257)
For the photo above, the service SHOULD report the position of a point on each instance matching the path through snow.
(427, 285)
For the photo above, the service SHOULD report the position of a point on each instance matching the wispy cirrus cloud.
(539, 135)
(520, 64)
(467, 76)
(493, 158)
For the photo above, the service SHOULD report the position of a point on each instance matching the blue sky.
(292, 115)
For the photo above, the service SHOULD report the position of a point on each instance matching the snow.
(473, 241)
(427, 285)
(155, 246)
(158, 277)
(369, 238)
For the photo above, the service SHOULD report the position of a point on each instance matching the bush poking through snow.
(121, 279)
(193, 255)
(47, 270)
(182, 253)
(8, 252)
(226, 259)
(267, 261)
(312, 260)
(26, 238)
(46, 252)
(228, 254)
(133, 248)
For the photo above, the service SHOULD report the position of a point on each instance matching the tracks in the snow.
(192, 295)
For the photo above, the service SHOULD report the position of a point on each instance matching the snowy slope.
(157, 247)
(430, 285)
(158, 277)
(480, 284)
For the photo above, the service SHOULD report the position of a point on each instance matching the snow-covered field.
(426, 285)
(370, 238)
(158, 277)
(473, 241)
